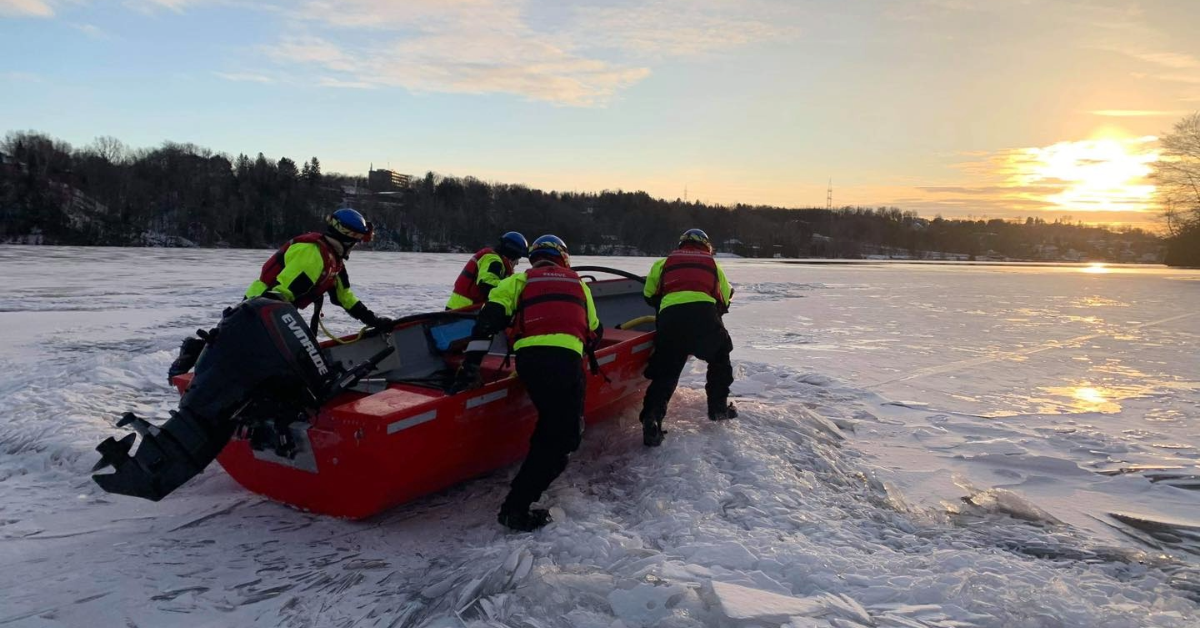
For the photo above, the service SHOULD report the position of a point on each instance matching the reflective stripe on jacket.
(476, 279)
(690, 271)
(310, 259)
(552, 303)
(553, 307)
(688, 275)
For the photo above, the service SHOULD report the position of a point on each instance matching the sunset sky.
(997, 108)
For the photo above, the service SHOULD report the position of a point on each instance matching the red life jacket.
(552, 302)
(329, 273)
(691, 270)
(466, 284)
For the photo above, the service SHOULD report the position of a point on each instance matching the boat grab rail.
(612, 271)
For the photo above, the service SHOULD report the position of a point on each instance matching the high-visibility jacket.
(552, 305)
(478, 278)
(688, 275)
(302, 270)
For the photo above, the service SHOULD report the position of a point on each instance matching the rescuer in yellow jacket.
(486, 269)
(691, 294)
(302, 272)
(555, 326)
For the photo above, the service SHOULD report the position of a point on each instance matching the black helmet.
(513, 245)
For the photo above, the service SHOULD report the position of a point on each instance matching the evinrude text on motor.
(262, 366)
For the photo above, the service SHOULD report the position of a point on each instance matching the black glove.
(469, 375)
(368, 318)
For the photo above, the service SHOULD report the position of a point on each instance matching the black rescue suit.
(555, 320)
(691, 292)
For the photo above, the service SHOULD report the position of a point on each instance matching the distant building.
(387, 180)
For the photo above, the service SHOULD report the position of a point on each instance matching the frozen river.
(919, 445)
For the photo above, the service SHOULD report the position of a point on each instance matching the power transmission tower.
(829, 206)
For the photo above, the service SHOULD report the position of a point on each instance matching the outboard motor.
(262, 353)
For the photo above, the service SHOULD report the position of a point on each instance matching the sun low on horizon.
(1105, 173)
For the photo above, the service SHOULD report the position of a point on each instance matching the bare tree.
(110, 149)
(1177, 173)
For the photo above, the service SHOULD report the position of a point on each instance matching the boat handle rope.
(641, 320)
(321, 322)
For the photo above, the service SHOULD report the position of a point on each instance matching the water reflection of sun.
(1095, 269)
(1087, 397)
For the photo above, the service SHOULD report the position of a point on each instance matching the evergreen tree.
(314, 172)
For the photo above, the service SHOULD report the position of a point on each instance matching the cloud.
(147, 6)
(543, 51)
(245, 77)
(1164, 58)
(327, 81)
(682, 28)
(1179, 78)
(46, 8)
(26, 8)
(475, 61)
(383, 14)
(984, 190)
(314, 51)
(93, 31)
(1134, 113)
(174, 5)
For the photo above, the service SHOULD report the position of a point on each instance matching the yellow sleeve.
(508, 292)
(485, 275)
(342, 293)
(300, 259)
(726, 289)
(653, 279)
(593, 320)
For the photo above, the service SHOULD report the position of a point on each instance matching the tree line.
(106, 193)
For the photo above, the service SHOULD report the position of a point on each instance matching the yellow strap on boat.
(641, 320)
(321, 322)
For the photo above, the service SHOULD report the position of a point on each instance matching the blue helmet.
(695, 237)
(513, 246)
(550, 247)
(349, 226)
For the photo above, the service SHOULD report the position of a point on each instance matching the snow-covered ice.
(918, 445)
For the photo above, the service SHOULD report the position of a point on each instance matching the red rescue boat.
(398, 435)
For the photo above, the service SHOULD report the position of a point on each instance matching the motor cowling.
(262, 350)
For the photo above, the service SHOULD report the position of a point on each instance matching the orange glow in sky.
(1105, 174)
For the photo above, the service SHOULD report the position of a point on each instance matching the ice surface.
(740, 602)
(917, 446)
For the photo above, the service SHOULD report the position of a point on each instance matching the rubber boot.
(524, 520)
(652, 431)
(189, 353)
(722, 412)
